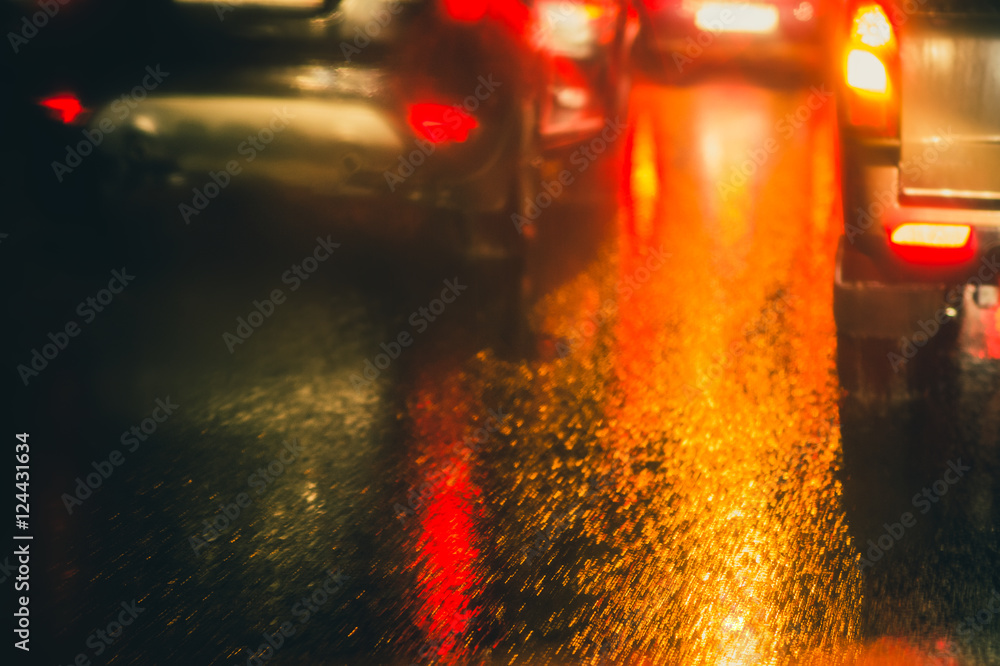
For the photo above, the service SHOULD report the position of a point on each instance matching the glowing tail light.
(465, 10)
(871, 65)
(440, 123)
(65, 108)
(930, 243)
(572, 28)
(932, 235)
(866, 72)
(872, 27)
(729, 17)
(872, 42)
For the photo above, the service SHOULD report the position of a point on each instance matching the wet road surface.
(676, 477)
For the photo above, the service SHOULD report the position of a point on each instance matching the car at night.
(449, 108)
(920, 179)
(689, 34)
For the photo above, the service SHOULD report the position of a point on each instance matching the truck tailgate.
(950, 106)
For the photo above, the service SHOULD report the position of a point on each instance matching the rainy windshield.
(468, 332)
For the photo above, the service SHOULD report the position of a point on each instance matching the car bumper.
(873, 309)
(873, 208)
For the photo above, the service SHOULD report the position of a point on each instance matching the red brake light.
(932, 235)
(65, 107)
(439, 123)
(465, 10)
(932, 243)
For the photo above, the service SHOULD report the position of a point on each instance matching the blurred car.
(920, 174)
(443, 105)
(692, 33)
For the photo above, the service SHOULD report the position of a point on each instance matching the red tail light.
(871, 65)
(465, 10)
(439, 123)
(65, 108)
(932, 243)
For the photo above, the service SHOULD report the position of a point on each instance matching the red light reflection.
(445, 555)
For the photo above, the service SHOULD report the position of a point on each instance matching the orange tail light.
(871, 64)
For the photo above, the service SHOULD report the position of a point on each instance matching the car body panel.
(873, 207)
(934, 159)
(950, 128)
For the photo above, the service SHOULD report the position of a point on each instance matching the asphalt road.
(675, 476)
